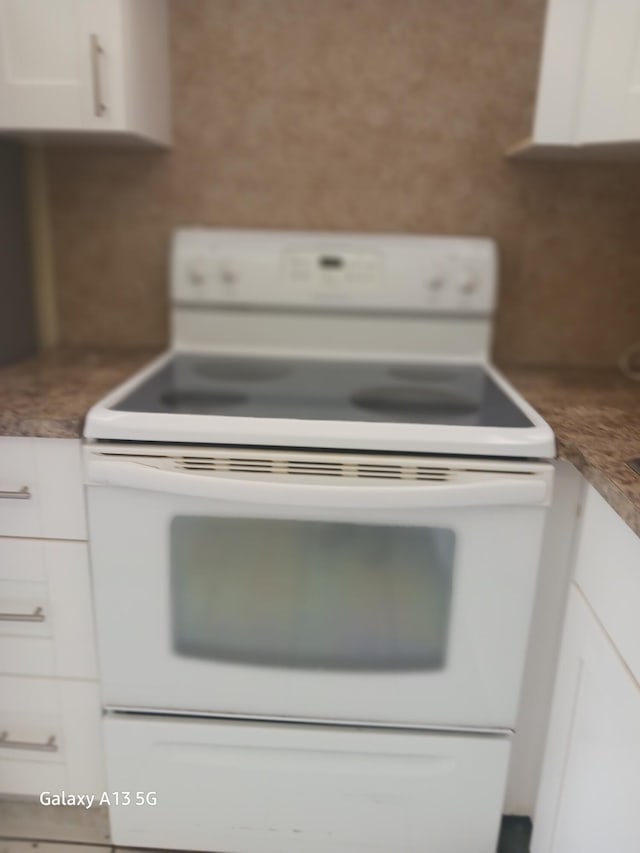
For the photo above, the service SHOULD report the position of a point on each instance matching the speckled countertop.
(595, 413)
(49, 395)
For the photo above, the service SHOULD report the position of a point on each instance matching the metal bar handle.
(22, 494)
(49, 745)
(99, 106)
(36, 616)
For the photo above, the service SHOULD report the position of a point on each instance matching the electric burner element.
(414, 402)
(241, 370)
(201, 402)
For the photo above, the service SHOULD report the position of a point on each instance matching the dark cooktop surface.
(336, 390)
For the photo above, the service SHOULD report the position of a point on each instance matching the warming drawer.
(273, 788)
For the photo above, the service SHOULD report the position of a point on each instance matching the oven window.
(311, 594)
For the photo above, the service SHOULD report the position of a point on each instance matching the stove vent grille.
(312, 467)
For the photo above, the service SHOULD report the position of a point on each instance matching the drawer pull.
(22, 494)
(97, 51)
(49, 745)
(36, 616)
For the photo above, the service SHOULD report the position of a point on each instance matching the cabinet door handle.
(99, 106)
(49, 745)
(36, 616)
(22, 494)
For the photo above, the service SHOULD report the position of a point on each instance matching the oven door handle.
(496, 490)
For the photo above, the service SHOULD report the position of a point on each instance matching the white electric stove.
(315, 526)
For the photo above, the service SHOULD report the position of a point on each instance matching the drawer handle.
(22, 494)
(36, 616)
(99, 106)
(49, 745)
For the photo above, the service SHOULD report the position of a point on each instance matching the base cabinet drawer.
(41, 488)
(259, 788)
(49, 736)
(46, 616)
(20, 499)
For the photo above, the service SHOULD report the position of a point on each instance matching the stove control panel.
(342, 272)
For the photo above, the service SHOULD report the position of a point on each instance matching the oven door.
(351, 598)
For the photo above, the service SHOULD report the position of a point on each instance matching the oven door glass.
(311, 594)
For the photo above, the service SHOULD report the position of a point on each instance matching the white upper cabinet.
(609, 105)
(588, 101)
(85, 67)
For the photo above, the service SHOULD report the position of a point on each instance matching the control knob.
(435, 287)
(436, 283)
(197, 271)
(467, 282)
(227, 275)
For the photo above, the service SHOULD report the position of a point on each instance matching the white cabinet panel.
(67, 569)
(85, 66)
(61, 64)
(43, 78)
(20, 498)
(49, 727)
(46, 622)
(24, 609)
(49, 736)
(608, 108)
(589, 798)
(588, 100)
(608, 573)
(554, 577)
(59, 463)
(41, 488)
(560, 75)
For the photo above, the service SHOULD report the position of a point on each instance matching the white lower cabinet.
(49, 736)
(50, 709)
(590, 790)
(260, 788)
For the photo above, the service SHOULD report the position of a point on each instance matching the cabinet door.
(60, 64)
(608, 108)
(589, 797)
(608, 575)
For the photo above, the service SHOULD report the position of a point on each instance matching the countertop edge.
(603, 484)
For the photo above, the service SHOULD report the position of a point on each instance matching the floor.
(27, 827)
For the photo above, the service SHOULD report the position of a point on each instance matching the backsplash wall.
(371, 115)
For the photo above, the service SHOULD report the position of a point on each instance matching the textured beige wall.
(372, 115)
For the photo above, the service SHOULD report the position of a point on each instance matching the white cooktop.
(430, 407)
